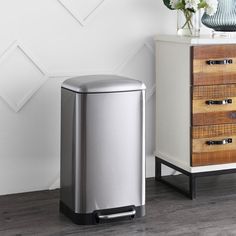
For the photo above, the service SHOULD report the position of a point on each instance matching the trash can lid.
(102, 84)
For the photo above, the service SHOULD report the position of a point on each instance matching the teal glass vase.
(224, 19)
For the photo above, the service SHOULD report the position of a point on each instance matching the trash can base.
(92, 218)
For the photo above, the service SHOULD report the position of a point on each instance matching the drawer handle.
(219, 142)
(219, 102)
(220, 62)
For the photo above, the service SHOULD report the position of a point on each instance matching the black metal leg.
(191, 192)
(157, 169)
(192, 186)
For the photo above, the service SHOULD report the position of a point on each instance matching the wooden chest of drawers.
(196, 105)
(213, 104)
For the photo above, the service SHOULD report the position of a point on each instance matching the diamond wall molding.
(69, 74)
(132, 55)
(150, 91)
(117, 71)
(74, 12)
(32, 89)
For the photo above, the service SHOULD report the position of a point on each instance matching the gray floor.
(168, 213)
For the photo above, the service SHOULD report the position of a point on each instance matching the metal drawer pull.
(220, 142)
(112, 216)
(219, 102)
(220, 62)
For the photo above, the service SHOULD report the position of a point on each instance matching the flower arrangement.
(190, 7)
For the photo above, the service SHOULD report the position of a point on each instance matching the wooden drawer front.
(215, 144)
(205, 74)
(214, 104)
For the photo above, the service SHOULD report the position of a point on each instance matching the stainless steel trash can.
(102, 148)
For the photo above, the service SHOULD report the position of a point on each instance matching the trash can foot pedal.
(117, 215)
(103, 216)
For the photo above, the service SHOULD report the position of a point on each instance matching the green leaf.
(180, 5)
(202, 4)
(167, 3)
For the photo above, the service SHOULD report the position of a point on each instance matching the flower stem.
(188, 15)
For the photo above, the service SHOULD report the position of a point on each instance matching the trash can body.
(102, 148)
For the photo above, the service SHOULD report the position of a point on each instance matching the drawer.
(212, 145)
(213, 64)
(214, 104)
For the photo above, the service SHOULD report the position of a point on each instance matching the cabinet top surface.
(203, 39)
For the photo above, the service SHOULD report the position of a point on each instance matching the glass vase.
(225, 17)
(188, 23)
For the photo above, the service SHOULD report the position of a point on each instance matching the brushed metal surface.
(117, 215)
(108, 158)
(102, 84)
(67, 184)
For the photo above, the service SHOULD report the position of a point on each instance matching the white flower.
(173, 3)
(211, 7)
(192, 4)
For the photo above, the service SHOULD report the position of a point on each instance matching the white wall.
(42, 43)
